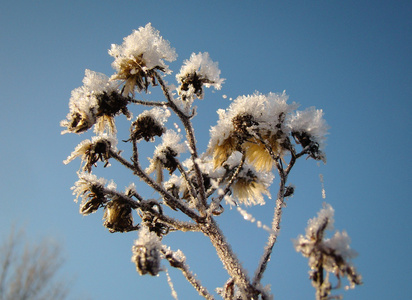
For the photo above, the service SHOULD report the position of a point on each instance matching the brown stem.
(228, 258)
(190, 277)
(153, 184)
(191, 140)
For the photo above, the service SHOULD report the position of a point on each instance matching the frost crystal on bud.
(146, 253)
(92, 151)
(149, 124)
(249, 123)
(141, 54)
(309, 129)
(199, 70)
(165, 153)
(97, 101)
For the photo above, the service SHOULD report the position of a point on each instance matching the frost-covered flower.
(165, 153)
(97, 101)
(118, 216)
(146, 253)
(141, 54)
(309, 129)
(250, 186)
(249, 120)
(149, 124)
(195, 73)
(90, 188)
(92, 151)
(330, 255)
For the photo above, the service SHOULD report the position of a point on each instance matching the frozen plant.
(256, 137)
(327, 255)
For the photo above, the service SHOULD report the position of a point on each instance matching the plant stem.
(228, 258)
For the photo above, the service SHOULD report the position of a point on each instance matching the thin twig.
(182, 266)
(190, 138)
(148, 103)
(277, 216)
(216, 201)
(169, 198)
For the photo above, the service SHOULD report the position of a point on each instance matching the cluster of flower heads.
(137, 61)
(327, 255)
(95, 194)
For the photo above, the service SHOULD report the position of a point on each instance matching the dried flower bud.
(110, 104)
(307, 141)
(118, 216)
(145, 127)
(95, 199)
(289, 190)
(146, 253)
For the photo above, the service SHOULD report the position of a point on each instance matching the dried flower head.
(141, 54)
(327, 255)
(146, 253)
(195, 73)
(165, 153)
(309, 129)
(118, 216)
(92, 151)
(97, 101)
(252, 124)
(250, 186)
(95, 199)
(149, 124)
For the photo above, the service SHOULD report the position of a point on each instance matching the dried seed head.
(100, 150)
(112, 104)
(118, 216)
(146, 253)
(242, 124)
(146, 127)
(306, 140)
(95, 199)
(192, 83)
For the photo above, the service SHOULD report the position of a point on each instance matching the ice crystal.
(84, 102)
(141, 53)
(93, 150)
(199, 70)
(247, 122)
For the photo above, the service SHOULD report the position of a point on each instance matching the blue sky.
(350, 58)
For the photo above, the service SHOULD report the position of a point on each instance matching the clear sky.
(353, 59)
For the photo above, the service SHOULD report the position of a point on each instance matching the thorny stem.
(190, 277)
(191, 140)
